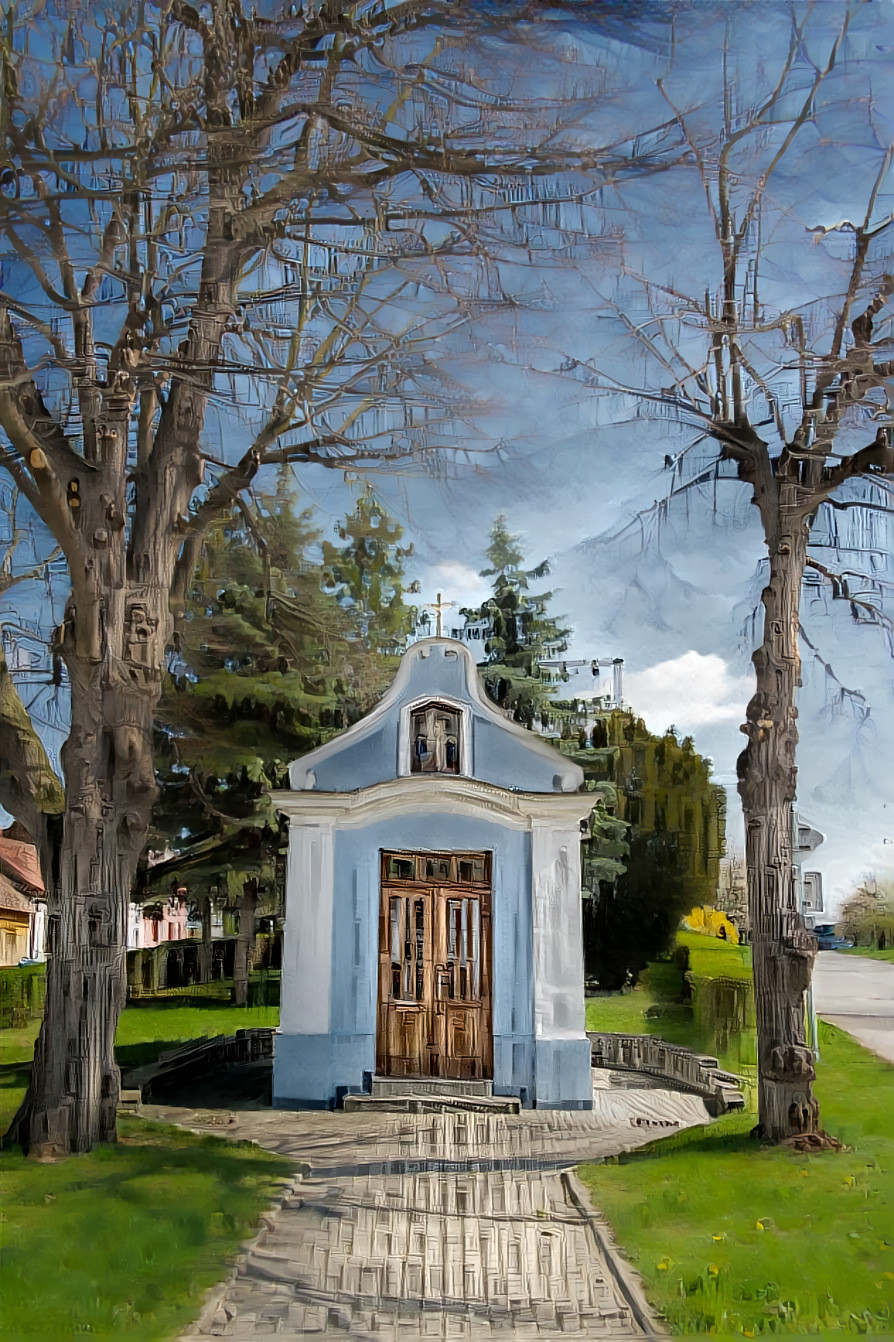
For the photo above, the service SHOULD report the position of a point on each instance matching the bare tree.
(213, 225)
(766, 330)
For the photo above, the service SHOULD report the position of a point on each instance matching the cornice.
(434, 795)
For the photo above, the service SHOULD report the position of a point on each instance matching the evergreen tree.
(661, 790)
(267, 665)
(521, 634)
(365, 575)
(264, 669)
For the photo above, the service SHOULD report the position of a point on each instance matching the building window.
(434, 740)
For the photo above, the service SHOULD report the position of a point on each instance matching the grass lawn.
(716, 958)
(124, 1242)
(870, 953)
(737, 1240)
(660, 994)
(146, 1031)
(143, 1033)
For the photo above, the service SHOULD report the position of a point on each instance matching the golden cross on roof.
(439, 607)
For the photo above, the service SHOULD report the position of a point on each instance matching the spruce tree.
(263, 670)
(365, 576)
(521, 634)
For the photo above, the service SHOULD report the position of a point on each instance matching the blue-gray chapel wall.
(496, 756)
(323, 1074)
(361, 763)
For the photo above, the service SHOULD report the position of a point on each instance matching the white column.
(558, 940)
(307, 937)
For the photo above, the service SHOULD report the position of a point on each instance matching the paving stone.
(440, 1225)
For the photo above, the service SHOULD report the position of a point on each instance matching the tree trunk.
(112, 641)
(783, 950)
(245, 942)
(206, 949)
(110, 787)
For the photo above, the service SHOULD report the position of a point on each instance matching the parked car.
(828, 939)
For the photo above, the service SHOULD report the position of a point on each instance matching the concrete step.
(426, 1104)
(383, 1086)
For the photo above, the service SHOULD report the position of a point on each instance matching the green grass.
(659, 993)
(716, 958)
(17, 1043)
(122, 1243)
(146, 1031)
(623, 1013)
(143, 1033)
(659, 989)
(742, 1241)
(871, 953)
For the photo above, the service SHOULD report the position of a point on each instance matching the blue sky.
(573, 468)
(676, 596)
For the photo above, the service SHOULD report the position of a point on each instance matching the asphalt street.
(857, 994)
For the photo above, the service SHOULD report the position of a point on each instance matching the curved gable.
(436, 672)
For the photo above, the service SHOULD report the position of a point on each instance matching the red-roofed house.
(22, 905)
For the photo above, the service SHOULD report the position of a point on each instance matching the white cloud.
(457, 582)
(691, 691)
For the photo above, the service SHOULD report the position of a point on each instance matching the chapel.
(433, 903)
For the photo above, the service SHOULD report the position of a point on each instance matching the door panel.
(405, 974)
(462, 986)
(434, 966)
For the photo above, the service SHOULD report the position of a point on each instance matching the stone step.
(424, 1085)
(424, 1104)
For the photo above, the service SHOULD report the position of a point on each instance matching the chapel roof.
(494, 750)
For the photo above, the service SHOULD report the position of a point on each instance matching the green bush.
(23, 991)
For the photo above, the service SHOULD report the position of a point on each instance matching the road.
(857, 994)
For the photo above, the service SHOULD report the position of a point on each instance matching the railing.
(678, 1067)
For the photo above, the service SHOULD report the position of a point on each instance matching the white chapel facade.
(433, 906)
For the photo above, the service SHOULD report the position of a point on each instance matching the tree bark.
(783, 950)
(112, 641)
(110, 788)
(245, 942)
(206, 949)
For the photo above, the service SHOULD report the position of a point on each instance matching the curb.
(216, 1313)
(626, 1278)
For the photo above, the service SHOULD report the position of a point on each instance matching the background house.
(22, 903)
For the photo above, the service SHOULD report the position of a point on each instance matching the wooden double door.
(434, 1015)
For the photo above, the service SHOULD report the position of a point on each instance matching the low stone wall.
(679, 1068)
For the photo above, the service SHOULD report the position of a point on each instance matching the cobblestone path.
(460, 1225)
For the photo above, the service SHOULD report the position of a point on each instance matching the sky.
(578, 473)
(675, 592)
